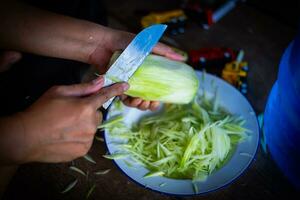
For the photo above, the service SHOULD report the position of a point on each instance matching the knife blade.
(133, 56)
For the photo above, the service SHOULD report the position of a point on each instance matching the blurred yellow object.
(234, 71)
(163, 17)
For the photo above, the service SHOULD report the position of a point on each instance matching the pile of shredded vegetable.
(182, 141)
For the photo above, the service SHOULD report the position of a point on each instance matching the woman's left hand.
(115, 40)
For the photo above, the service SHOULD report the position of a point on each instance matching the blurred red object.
(206, 57)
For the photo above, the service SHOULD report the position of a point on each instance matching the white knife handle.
(107, 103)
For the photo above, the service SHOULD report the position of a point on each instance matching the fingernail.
(125, 86)
(13, 59)
(98, 80)
(175, 56)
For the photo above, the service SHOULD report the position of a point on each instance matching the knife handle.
(107, 103)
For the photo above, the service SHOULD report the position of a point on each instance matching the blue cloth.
(282, 115)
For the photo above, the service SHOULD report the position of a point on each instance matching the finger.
(8, 58)
(154, 105)
(133, 102)
(82, 89)
(62, 152)
(144, 105)
(164, 50)
(123, 97)
(107, 93)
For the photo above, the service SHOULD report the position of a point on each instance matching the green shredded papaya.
(116, 156)
(153, 174)
(162, 184)
(195, 188)
(102, 172)
(111, 121)
(70, 186)
(76, 169)
(89, 158)
(91, 190)
(98, 138)
(183, 141)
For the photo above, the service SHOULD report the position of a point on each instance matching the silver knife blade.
(133, 56)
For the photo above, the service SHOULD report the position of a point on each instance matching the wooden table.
(263, 40)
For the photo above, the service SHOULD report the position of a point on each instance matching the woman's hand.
(114, 40)
(60, 126)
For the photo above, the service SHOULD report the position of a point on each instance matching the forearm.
(29, 29)
(11, 134)
(12, 140)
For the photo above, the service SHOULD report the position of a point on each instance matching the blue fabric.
(282, 115)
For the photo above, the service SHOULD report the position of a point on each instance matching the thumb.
(107, 93)
(82, 89)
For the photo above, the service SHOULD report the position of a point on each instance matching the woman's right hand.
(60, 126)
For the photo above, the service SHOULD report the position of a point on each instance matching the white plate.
(232, 100)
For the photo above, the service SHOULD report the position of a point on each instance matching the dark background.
(263, 28)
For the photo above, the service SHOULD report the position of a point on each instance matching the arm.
(12, 133)
(33, 30)
(58, 127)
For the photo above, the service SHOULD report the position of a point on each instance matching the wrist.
(107, 41)
(100, 40)
(12, 140)
(90, 36)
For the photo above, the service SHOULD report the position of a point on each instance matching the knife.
(133, 56)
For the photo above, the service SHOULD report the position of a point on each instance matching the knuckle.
(142, 108)
(118, 89)
(127, 103)
(144, 104)
(136, 101)
(55, 89)
(104, 94)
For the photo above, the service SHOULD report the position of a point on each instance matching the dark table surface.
(263, 39)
